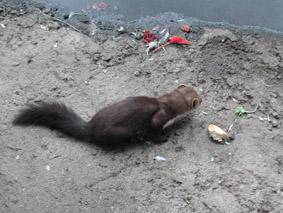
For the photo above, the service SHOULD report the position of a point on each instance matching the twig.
(253, 111)
(63, 22)
(59, 20)
(13, 148)
(232, 124)
(186, 201)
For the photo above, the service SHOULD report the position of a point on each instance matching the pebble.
(53, 26)
(275, 124)
(15, 64)
(137, 73)
(274, 95)
(275, 115)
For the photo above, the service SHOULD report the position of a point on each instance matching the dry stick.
(59, 20)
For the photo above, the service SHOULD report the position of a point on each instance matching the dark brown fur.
(129, 119)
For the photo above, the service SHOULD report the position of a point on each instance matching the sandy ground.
(44, 171)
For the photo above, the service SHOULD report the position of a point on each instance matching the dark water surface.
(261, 13)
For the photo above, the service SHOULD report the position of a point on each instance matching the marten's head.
(190, 95)
(181, 100)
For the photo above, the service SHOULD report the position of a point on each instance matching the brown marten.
(118, 123)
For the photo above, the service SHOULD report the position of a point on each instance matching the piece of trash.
(212, 159)
(151, 46)
(55, 45)
(179, 40)
(121, 29)
(164, 39)
(235, 100)
(137, 35)
(262, 119)
(17, 157)
(149, 37)
(43, 27)
(100, 6)
(186, 28)
(218, 134)
(160, 158)
(162, 31)
(71, 14)
(203, 112)
(47, 167)
(3, 25)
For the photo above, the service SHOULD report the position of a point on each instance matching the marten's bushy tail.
(54, 116)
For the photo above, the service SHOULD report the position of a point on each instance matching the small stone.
(121, 29)
(137, 73)
(275, 115)
(53, 26)
(274, 95)
(15, 64)
(279, 77)
(179, 149)
(106, 58)
(275, 124)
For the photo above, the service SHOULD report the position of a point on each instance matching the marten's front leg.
(158, 120)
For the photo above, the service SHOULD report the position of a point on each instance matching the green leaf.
(240, 111)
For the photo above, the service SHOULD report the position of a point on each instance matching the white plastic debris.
(47, 167)
(3, 25)
(43, 27)
(160, 158)
(152, 45)
(17, 157)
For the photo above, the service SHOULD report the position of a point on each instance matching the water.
(261, 13)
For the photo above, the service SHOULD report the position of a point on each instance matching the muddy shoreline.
(44, 171)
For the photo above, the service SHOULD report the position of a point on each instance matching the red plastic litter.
(179, 40)
(185, 28)
(100, 6)
(149, 37)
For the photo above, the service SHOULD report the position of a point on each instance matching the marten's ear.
(196, 102)
(181, 86)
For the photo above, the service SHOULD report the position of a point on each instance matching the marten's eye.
(196, 102)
